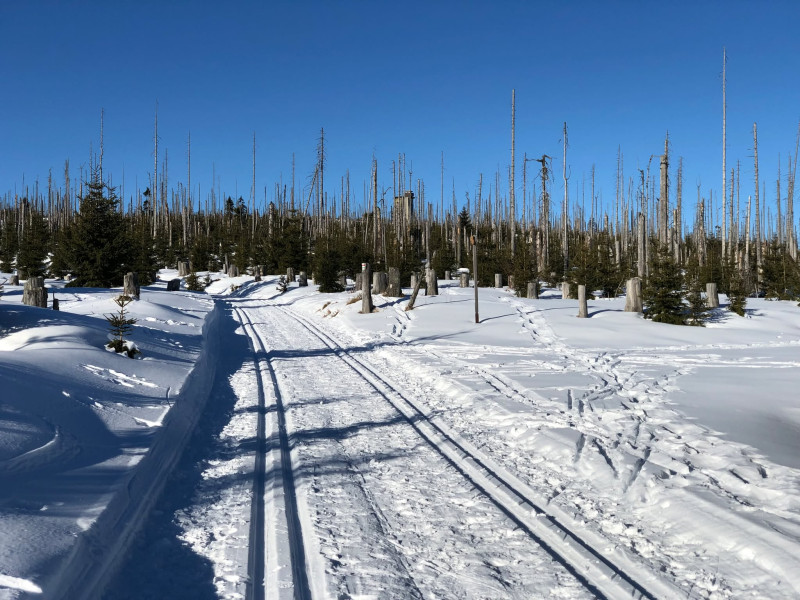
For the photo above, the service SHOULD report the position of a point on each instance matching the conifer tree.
(9, 242)
(98, 247)
(33, 247)
(662, 296)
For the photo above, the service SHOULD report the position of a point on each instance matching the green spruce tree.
(662, 296)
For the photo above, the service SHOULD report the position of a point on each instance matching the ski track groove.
(257, 588)
(598, 573)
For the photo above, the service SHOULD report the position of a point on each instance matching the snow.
(407, 454)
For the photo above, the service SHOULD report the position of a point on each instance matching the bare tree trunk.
(758, 209)
(724, 168)
(511, 196)
(663, 205)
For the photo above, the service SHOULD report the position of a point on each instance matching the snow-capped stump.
(463, 280)
(131, 285)
(34, 293)
(583, 310)
(173, 285)
(302, 279)
(633, 295)
(393, 290)
(712, 297)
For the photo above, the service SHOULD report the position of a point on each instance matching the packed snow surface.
(401, 454)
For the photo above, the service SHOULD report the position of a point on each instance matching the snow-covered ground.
(402, 454)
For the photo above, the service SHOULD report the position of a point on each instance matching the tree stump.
(302, 279)
(366, 293)
(34, 293)
(233, 271)
(290, 275)
(583, 309)
(379, 282)
(633, 295)
(565, 292)
(498, 280)
(173, 285)
(343, 281)
(393, 290)
(511, 282)
(359, 282)
(131, 285)
(447, 275)
(183, 268)
(55, 302)
(432, 284)
(712, 297)
(414, 280)
(532, 290)
(463, 280)
(14, 280)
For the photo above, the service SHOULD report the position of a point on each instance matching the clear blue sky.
(391, 77)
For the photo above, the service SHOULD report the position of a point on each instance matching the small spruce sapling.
(194, 283)
(122, 325)
(282, 285)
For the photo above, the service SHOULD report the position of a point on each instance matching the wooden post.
(131, 285)
(475, 274)
(633, 295)
(583, 311)
(712, 297)
(366, 291)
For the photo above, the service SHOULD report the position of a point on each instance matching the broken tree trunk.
(633, 295)
(583, 310)
(432, 285)
(366, 292)
(712, 297)
(410, 305)
(131, 285)
(394, 290)
(34, 293)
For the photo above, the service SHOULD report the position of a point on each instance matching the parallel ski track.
(597, 573)
(257, 585)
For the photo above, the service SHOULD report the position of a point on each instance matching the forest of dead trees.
(736, 239)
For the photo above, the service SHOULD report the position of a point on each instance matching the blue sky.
(419, 78)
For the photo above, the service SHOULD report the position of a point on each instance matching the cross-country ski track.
(394, 466)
